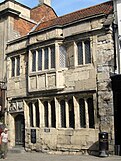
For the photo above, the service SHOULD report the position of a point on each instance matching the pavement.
(38, 156)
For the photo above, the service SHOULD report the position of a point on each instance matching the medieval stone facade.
(59, 94)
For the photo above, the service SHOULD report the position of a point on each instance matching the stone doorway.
(19, 130)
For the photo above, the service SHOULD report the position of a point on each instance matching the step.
(17, 150)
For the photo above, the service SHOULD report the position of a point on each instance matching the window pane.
(62, 56)
(52, 57)
(13, 67)
(63, 113)
(80, 53)
(31, 114)
(87, 52)
(40, 59)
(82, 113)
(91, 112)
(46, 113)
(71, 113)
(46, 59)
(53, 118)
(34, 61)
(18, 65)
(37, 114)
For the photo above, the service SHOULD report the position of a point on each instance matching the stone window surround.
(43, 61)
(15, 70)
(58, 113)
(83, 51)
(57, 44)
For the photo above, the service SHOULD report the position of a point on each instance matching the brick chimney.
(48, 2)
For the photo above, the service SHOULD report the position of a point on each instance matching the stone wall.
(63, 140)
(105, 62)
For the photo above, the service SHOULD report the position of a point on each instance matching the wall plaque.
(33, 136)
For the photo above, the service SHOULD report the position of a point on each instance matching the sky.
(63, 7)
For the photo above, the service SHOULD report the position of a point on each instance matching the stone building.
(59, 94)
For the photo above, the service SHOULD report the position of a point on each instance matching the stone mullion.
(95, 111)
(86, 113)
(76, 113)
(41, 109)
(26, 115)
(29, 67)
(34, 115)
(75, 54)
(49, 115)
(67, 114)
(57, 113)
(57, 56)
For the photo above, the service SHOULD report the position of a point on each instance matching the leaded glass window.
(33, 61)
(13, 67)
(46, 114)
(18, 65)
(40, 59)
(83, 52)
(63, 113)
(90, 112)
(71, 113)
(46, 58)
(53, 118)
(52, 49)
(80, 53)
(82, 113)
(31, 114)
(37, 114)
(87, 52)
(62, 56)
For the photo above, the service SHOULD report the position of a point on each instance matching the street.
(38, 156)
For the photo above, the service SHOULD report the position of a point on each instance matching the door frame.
(19, 130)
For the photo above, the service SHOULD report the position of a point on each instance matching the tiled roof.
(103, 8)
(42, 13)
(22, 26)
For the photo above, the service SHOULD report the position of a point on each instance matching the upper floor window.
(15, 65)
(43, 59)
(34, 61)
(84, 52)
(40, 59)
(62, 56)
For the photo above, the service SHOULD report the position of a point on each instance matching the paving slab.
(38, 156)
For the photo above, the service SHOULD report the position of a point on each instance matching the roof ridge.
(110, 1)
(79, 14)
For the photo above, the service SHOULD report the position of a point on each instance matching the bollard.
(103, 144)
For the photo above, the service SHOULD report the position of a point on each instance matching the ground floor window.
(71, 113)
(65, 112)
(34, 113)
(46, 114)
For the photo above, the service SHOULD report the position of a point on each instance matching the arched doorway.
(19, 130)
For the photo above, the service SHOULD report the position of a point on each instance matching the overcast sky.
(62, 7)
